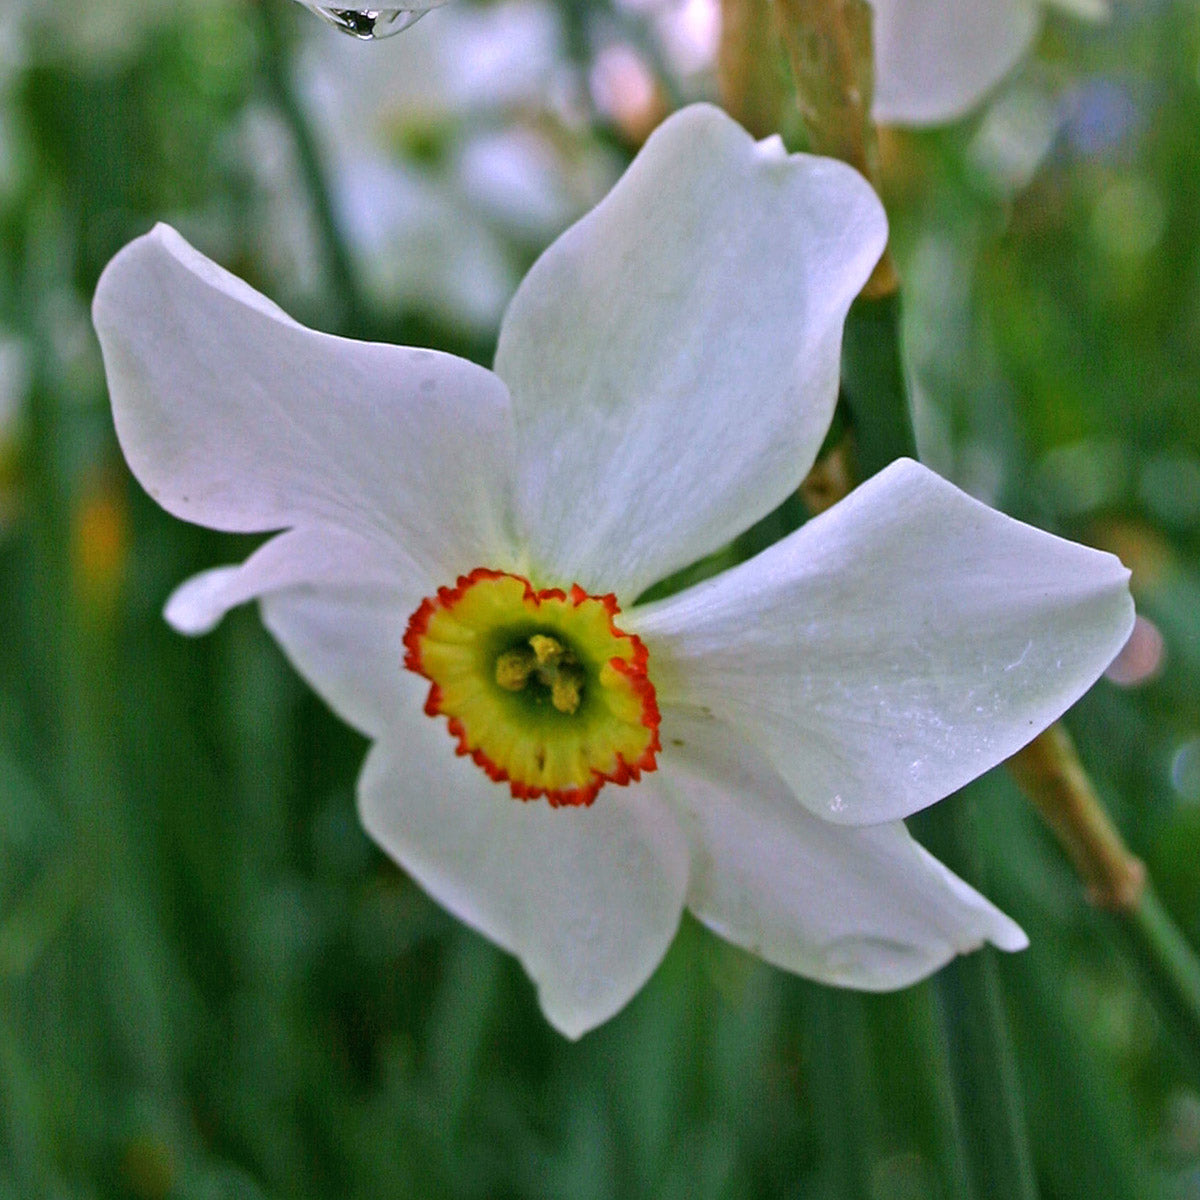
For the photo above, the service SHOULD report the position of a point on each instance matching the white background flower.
(478, 86)
(664, 378)
(936, 59)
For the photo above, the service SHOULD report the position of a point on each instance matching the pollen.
(548, 664)
(541, 689)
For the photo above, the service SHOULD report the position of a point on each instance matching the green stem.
(1087, 1138)
(984, 1075)
(1170, 967)
(1053, 778)
(983, 1066)
(471, 977)
(875, 386)
(918, 1082)
(842, 1083)
(981, 1063)
(349, 311)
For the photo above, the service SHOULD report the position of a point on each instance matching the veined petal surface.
(865, 908)
(673, 357)
(895, 647)
(587, 898)
(231, 415)
(936, 59)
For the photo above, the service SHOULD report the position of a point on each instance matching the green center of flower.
(546, 670)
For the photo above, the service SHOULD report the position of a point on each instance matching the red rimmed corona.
(540, 688)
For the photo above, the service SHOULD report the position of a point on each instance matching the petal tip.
(570, 1023)
(194, 607)
(1009, 937)
(114, 271)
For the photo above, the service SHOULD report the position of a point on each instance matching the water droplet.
(369, 24)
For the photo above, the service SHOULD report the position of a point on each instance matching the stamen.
(514, 667)
(566, 689)
(550, 664)
(547, 649)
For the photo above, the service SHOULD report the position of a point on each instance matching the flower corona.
(540, 688)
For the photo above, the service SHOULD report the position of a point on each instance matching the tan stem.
(1050, 774)
(828, 43)
(829, 46)
(750, 86)
(832, 478)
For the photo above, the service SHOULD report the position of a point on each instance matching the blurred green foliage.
(212, 985)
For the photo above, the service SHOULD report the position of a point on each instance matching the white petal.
(895, 647)
(863, 908)
(673, 357)
(233, 416)
(936, 59)
(311, 556)
(587, 898)
(349, 645)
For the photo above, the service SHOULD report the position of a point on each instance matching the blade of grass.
(841, 1079)
(349, 312)
(1169, 968)
(982, 1067)
(982, 1063)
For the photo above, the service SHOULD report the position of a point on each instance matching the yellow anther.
(547, 662)
(566, 689)
(548, 650)
(514, 667)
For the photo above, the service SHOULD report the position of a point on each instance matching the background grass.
(212, 985)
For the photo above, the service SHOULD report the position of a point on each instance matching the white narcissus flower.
(464, 552)
(936, 59)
